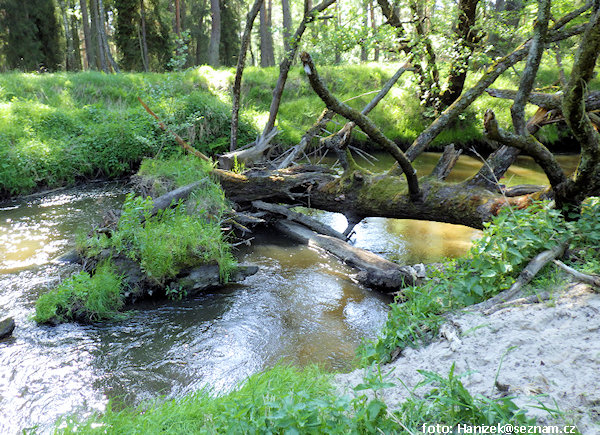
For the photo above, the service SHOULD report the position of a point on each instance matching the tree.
(32, 35)
(267, 54)
(358, 193)
(215, 33)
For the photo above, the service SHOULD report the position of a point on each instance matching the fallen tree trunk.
(546, 101)
(360, 194)
(300, 218)
(374, 271)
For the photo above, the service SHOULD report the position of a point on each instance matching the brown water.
(302, 307)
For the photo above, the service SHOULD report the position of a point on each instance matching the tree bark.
(374, 29)
(89, 46)
(237, 83)
(98, 25)
(267, 57)
(70, 60)
(587, 176)
(364, 123)
(144, 37)
(287, 24)
(215, 33)
(466, 38)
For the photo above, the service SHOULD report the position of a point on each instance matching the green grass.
(287, 400)
(82, 297)
(57, 129)
(176, 238)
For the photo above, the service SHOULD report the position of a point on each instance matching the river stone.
(7, 326)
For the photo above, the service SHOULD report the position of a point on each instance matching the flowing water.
(301, 307)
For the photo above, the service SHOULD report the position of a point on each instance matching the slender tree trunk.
(98, 25)
(144, 38)
(215, 33)
(237, 83)
(76, 41)
(267, 57)
(70, 54)
(104, 38)
(287, 24)
(177, 18)
(374, 29)
(338, 24)
(90, 52)
(364, 54)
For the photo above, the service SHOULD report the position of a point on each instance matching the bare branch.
(363, 122)
(536, 49)
(446, 162)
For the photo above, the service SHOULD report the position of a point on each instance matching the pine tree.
(32, 35)
(127, 34)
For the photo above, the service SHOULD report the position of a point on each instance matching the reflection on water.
(301, 307)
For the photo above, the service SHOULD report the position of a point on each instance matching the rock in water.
(7, 326)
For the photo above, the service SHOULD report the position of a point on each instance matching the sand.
(546, 352)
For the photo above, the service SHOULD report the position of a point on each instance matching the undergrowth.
(82, 297)
(287, 400)
(495, 260)
(185, 235)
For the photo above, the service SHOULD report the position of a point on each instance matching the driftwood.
(446, 162)
(528, 273)
(300, 218)
(546, 101)
(374, 271)
(593, 280)
(165, 201)
(533, 299)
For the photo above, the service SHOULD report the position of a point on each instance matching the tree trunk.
(466, 38)
(104, 38)
(76, 43)
(177, 18)
(360, 194)
(374, 29)
(364, 54)
(144, 38)
(215, 33)
(99, 25)
(267, 57)
(237, 83)
(70, 54)
(287, 24)
(90, 52)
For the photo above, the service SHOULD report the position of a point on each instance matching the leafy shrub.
(508, 243)
(82, 297)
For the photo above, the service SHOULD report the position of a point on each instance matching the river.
(301, 307)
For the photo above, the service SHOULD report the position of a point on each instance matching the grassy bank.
(56, 129)
(158, 246)
(290, 400)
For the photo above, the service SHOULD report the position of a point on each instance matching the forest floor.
(545, 355)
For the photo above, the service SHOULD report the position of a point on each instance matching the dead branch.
(363, 122)
(300, 218)
(446, 162)
(298, 149)
(527, 274)
(178, 138)
(533, 299)
(547, 101)
(593, 280)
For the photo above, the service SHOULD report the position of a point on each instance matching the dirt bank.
(543, 353)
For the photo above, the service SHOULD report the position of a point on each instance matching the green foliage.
(508, 243)
(82, 297)
(450, 403)
(176, 238)
(292, 401)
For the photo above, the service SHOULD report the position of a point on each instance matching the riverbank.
(63, 128)
(544, 355)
